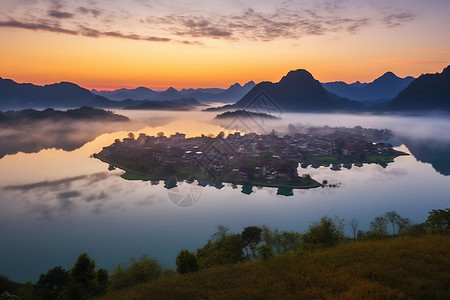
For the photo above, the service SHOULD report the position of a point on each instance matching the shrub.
(438, 221)
(138, 271)
(186, 262)
(326, 233)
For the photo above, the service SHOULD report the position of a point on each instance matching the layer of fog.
(67, 135)
(416, 127)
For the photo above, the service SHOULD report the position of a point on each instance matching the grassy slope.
(404, 268)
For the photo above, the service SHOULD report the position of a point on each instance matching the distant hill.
(245, 114)
(429, 92)
(176, 104)
(15, 95)
(297, 91)
(232, 94)
(49, 114)
(140, 93)
(381, 89)
(30, 130)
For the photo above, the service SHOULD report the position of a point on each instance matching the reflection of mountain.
(30, 131)
(431, 151)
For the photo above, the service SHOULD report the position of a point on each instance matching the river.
(56, 201)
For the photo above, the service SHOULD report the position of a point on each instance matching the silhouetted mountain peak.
(296, 91)
(234, 87)
(381, 89)
(249, 84)
(386, 77)
(142, 89)
(389, 74)
(63, 84)
(299, 75)
(64, 94)
(171, 89)
(428, 92)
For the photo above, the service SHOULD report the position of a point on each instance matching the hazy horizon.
(220, 86)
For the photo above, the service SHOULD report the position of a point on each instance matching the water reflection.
(433, 151)
(55, 205)
(67, 135)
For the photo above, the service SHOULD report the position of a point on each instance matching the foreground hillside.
(403, 268)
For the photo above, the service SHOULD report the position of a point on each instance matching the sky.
(212, 43)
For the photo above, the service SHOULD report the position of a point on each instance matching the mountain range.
(381, 89)
(428, 92)
(15, 95)
(232, 94)
(297, 91)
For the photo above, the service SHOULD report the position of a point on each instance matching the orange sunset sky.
(111, 44)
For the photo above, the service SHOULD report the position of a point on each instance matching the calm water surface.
(56, 204)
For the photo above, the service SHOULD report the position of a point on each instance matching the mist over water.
(56, 201)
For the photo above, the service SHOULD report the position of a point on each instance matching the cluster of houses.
(249, 157)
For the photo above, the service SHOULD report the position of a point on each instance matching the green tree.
(52, 284)
(102, 281)
(82, 283)
(378, 228)
(265, 252)
(272, 238)
(251, 237)
(136, 271)
(7, 285)
(290, 241)
(222, 249)
(280, 241)
(326, 233)
(186, 262)
(27, 291)
(354, 225)
(121, 278)
(392, 217)
(438, 221)
(404, 225)
(417, 229)
(222, 231)
(145, 269)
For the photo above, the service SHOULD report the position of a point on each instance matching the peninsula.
(267, 160)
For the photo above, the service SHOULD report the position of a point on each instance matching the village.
(264, 160)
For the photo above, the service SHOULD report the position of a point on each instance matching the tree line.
(84, 280)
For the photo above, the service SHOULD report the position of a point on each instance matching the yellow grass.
(403, 268)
